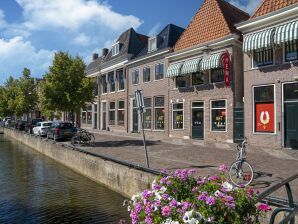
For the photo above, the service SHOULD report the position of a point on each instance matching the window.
(147, 115)
(89, 114)
(121, 112)
(217, 75)
(96, 87)
(112, 113)
(115, 49)
(84, 116)
(291, 50)
(159, 112)
(135, 76)
(178, 116)
(152, 44)
(159, 71)
(104, 84)
(197, 78)
(264, 109)
(263, 57)
(218, 115)
(146, 74)
(121, 79)
(181, 81)
(112, 81)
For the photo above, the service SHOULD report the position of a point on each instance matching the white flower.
(170, 221)
(192, 217)
(157, 196)
(163, 189)
(228, 186)
(128, 208)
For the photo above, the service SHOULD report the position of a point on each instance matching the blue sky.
(31, 31)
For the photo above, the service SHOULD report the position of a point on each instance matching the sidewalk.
(271, 166)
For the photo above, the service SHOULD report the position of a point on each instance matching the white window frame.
(226, 108)
(108, 74)
(163, 76)
(284, 55)
(154, 114)
(175, 129)
(133, 73)
(148, 108)
(154, 43)
(115, 49)
(114, 112)
(204, 118)
(253, 110)
(146, 67)
(118, 81)
(120, 109)
(102, 93)
(258, 67)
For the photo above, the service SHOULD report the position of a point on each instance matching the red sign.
(225, 61)
(264, 117)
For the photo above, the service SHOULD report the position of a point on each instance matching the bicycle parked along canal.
(83, 137)
(241, 173)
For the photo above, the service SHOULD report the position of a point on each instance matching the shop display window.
(177, 112)
(147, 115)
(159, 112)
(218, 115)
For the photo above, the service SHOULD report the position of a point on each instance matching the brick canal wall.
(122, 178)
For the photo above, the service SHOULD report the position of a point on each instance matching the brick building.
(205, 74)
(271, 74)
(147, 72)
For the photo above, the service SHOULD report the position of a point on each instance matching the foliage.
(181, 198)
(65, 86)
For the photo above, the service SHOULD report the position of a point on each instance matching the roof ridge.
(236, 8)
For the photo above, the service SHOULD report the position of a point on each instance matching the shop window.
(146, 74)
(177, 114)
(159, 111)
(121, 108)
(84, 116)
(217, 75)
(291, 50)
(264, 118)
(111, 78)
(112, 113)
(121, 79)
(181, 81)
(89, 114)
(197, 78)
(218, 115)
(104, 88)
(147, 115)
(159, 71)
(135, 77)
(262, 57)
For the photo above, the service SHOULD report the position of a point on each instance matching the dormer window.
(115, 49)
(152, 44)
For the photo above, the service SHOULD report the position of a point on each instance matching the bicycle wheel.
(241, 173)
(91, 139)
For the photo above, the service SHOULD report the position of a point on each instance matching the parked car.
(20, 125)
(60, 130)
(41, 128)
(31, 124)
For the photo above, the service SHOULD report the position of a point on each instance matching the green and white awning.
(174, 70)
(211, 61)
(286, 32)
(191, 66)
(259, 40)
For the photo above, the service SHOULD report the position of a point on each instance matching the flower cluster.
(180, 197)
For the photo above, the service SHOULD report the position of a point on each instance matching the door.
(135, 118)
(197, 127)
(291, 115)
(104, 116)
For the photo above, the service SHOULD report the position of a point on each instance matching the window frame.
(210, 75)
(154, 111)
(183, 120)
(148, 108)
(115, 49)
(254, 110)
(84, 121)
(226, 108)
(202, 73)
(177, 87)
(110, 83)
(120, 110)
(146, 68)
(163, 73)
(132, 75)
(155, 44)
(263, 66)
(112, 110)
(284, 53)
(118, 80)
(106, 84)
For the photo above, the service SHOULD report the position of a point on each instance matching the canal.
(36, 189)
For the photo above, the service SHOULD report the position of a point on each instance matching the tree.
(65, 87)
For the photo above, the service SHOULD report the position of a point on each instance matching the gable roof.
(268, 6)
(214, 20)
(94, 66)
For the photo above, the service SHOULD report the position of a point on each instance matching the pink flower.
(223, 168)
(148, 219)
(166, 211)
(264, 208)
(210, 200)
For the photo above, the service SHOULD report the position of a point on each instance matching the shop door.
(104, 116)
(291, 115)
(197, 120)
(135, 117)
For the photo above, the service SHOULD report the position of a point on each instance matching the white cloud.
(250, 6)
(15, 54)
(82, 39)
(73, 14)
(154, 30)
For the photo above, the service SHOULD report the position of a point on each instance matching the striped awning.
(211, 61)
(286, 32)
(174, 70)
(259, 40)
(191, 66)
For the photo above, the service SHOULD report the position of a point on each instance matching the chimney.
(105, 51)
(94, 56)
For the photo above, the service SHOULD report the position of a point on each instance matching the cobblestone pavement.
(271, 166)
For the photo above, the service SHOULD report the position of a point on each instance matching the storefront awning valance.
(174, 70)
(211, 61)
(286, 32)
(259, 40)
(191, 66)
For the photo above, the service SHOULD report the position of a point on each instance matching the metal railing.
(283, 206)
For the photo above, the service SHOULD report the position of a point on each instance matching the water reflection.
(36, 189)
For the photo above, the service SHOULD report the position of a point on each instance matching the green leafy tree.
(65, 87)
(10, 94)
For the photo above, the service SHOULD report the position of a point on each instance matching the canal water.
(36, 189)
